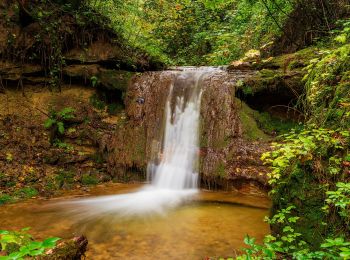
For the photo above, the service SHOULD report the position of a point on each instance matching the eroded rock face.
(83, 51)
(225, 155)
(130, 148)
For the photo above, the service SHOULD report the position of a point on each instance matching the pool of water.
(213, 224)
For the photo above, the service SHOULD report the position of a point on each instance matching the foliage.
(305, 148)
(20, 244)
(26, 193)
(196, 32)
(23, 193)
(327, 84)
(289, 242)
(304, 169)
(56, 122)
(340, 199)
(5, 198)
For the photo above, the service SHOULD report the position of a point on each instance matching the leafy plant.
(20, 245)
(340, 198)
(290, 243)
(303, 147)
(327, 100)
(57, 119)
(26, 193)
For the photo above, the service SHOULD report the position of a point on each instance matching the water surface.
(213, 224)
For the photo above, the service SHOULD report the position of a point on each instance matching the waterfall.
(178, 167)
(174, 173)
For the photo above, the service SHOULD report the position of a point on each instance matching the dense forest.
(81, 98)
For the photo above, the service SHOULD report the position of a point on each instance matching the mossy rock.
(251, 130)
(112, 79)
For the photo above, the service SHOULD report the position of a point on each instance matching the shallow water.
(213, 224)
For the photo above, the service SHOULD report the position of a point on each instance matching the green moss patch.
(251, 130)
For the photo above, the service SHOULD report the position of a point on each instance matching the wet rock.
(73, 249)
(225, 154)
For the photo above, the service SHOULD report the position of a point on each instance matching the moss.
(5, 198)
(291, 61)
(270, 124)
(269, 74)
(26, 193)
(113, 79)
(250, 127)
(327, 89)
(64, 179)
(220, 170)
(87, 179)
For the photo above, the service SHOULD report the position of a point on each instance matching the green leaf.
(49, 122)
(60, 126)
(37, 252)
(16, 255)
(50, 242)
(34, 245)
(341, 38)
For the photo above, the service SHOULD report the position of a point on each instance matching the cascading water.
(179, 158)
(174, 173)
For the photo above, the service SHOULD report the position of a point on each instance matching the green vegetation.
(310, 166)
(251, 130)
(65, 179)
(21, 245)
(56, 119)
(261, 125)
(18, 194)
(87, 179)
(310, 169)
(196, 32)
(328, 86)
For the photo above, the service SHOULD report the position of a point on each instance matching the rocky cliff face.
(37, 54)
(52, 59)
(44, 44)
(225, 154)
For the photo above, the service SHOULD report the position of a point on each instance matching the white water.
(175, 178)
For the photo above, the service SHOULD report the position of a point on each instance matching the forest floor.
(32, 161)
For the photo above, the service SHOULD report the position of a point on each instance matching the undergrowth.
(310, 169)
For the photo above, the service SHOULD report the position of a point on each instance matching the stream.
(212, 224)
(168, 218)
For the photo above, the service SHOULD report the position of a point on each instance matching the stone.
(240, 65)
